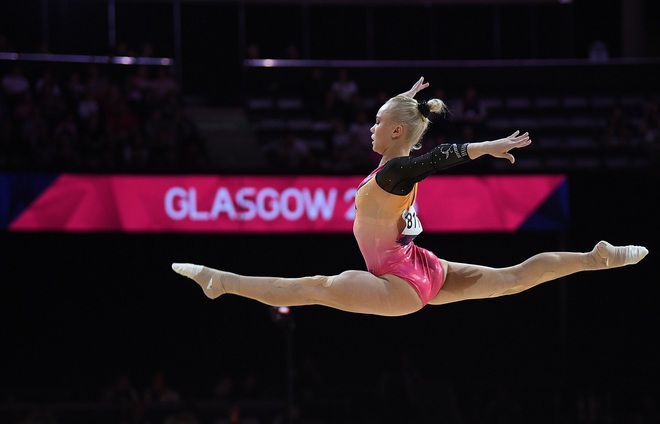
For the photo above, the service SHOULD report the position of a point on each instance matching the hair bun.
(424, 108)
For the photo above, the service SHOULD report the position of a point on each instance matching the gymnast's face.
(382, 132)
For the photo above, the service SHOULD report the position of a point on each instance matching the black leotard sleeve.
(399, 175)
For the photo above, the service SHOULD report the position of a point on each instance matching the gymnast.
(402, 277)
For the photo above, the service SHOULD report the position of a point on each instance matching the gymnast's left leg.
(465, 281)
(352, 291)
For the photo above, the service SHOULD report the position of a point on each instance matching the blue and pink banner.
(269, 204)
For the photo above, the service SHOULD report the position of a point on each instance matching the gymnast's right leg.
(467, 281)
(351, 291)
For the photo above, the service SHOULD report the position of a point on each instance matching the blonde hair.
(406, 111)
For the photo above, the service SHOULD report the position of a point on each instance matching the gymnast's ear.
(397, 131)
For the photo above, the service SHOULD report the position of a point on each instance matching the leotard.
(386, 222)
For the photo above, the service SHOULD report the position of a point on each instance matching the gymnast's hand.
(499, 148)
(416, 88)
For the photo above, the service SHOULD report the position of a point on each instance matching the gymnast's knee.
(323, 280)
(348, 275)
(311, 281)
(511, 290)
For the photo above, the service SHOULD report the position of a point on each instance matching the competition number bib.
(413, 224)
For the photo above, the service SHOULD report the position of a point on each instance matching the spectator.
(617, 130)
(649, 124)
(68, 154)
(343, 96)
(23, 108)
(15, 85)
(147, 49)
(290, 152)
(466, 132)
(74, 90)
(164, 85)
(353, 156)
(154, 124)
(122, 49)
(184, 127)
(52, 104)
(121, 392)
(160, 392)
(93, 142)
(598, 51)
(138, 87)
(360, 127)
(470, 110)
(46, 85)
(164, 156)
(44, 149)
(67, 127)
(340, 137)
(31, 126)
(87, 106)
(120, 121)
(97, 83)
(315, 91)
(193, 153)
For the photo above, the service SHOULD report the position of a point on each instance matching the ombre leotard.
(386, 222)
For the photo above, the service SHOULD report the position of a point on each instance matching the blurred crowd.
(132, 119)
(400, 393)
(340, 114)
(95, 118)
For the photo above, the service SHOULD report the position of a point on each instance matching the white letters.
(222, 204)
(326, 206)
(298, 206)
(243, 202)
(196, 215)
(175, 203)
(349, 196)
(264, 214)
(265, 203)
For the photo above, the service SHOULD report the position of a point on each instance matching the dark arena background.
(96, 328)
